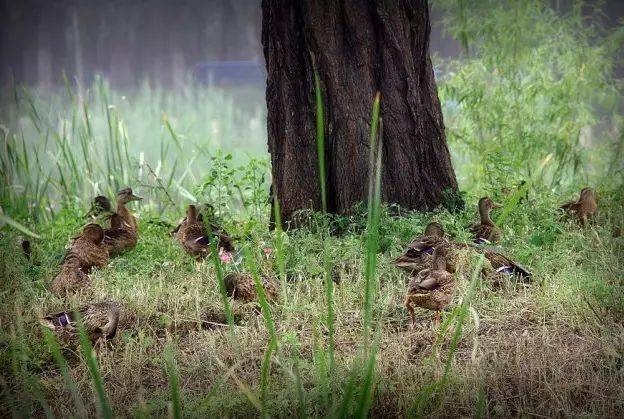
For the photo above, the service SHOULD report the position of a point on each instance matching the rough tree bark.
(360, 46)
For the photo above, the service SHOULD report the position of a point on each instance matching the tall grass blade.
(320, 362)
(329, 301)
(366, 390)
(270, 324)
(279, 242)
(481, 407)
(224, 297)
(320, 135)
(87, 351)
(174, 382)
(264, 304)
(369, 353)
(55, 350)
(374, 210)
(265, 373)
(8, 220)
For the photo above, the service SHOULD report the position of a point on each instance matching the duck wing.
(424, 244)
(503, 264)
(570, 206)
(430, 283)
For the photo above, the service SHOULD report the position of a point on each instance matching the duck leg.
(437, 318)
(410, 309)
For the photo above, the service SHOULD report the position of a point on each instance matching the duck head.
(125, 195)
(434, 229)
(100, 205)
(587, 194)
(486, 205)
(191, 214)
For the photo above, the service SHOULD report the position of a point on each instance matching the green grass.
(160, 289)
(184, 348)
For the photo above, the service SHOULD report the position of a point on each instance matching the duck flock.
(430, 259)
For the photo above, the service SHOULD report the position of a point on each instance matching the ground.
(553, 347)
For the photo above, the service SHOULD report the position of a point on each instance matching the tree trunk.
(361, 47)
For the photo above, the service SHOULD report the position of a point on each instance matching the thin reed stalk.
(174, 382)
(87, 352)
(320, 135)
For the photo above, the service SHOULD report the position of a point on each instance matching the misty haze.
(238, 208)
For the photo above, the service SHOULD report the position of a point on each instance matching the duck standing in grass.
(125, 196)
(192, 234)
(100, 321)
(86, 251)
(241, 286)
(485, 231)
(432, 288)
(584, 208)
(120, 237)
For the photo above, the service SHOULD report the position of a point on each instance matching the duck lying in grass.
(120, 237)
(419, 253)
(504, 265)
(432, 288)
(86, 251)
(485, 231)
(584, 208)
(195, 238)
(241, 287)
(70, 279)
(100, 321)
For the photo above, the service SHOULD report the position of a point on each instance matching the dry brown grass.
(533, 349)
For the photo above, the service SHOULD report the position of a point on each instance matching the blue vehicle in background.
(227, 73)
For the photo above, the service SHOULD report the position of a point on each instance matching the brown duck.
(419, 253)
(432, 288)
(485, 231)
(584, 208)
(241, 286)
(192, 234)
(99, 319)
(125, 196)
(86, 251)
(504, 265)
(120, 237)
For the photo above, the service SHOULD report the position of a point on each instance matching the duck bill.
(136, 198)
(497, 205)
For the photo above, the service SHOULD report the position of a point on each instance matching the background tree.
(360, 47)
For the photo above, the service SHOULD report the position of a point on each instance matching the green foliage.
(531, 82)
(60, 150)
